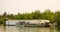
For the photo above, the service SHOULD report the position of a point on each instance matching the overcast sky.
(22, 6)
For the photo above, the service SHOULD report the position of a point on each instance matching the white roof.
(30, 21)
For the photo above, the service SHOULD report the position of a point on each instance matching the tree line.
(47, 14)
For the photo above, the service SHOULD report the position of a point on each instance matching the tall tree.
(5, 14)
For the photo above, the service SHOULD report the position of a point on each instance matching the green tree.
(57, 17)
(36, 14)
(48, 15)
(5, 14)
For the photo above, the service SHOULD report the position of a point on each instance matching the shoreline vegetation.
(47, 14)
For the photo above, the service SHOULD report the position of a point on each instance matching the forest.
(47, 14)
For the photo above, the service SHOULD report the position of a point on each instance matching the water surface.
(2, 29)
(31, 29)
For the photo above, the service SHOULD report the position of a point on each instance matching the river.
(31, 29)
(2, 29)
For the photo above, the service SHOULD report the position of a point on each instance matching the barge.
(28, 23)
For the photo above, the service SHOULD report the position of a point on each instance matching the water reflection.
(30, 29)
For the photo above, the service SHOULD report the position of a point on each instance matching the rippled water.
(30, 29)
